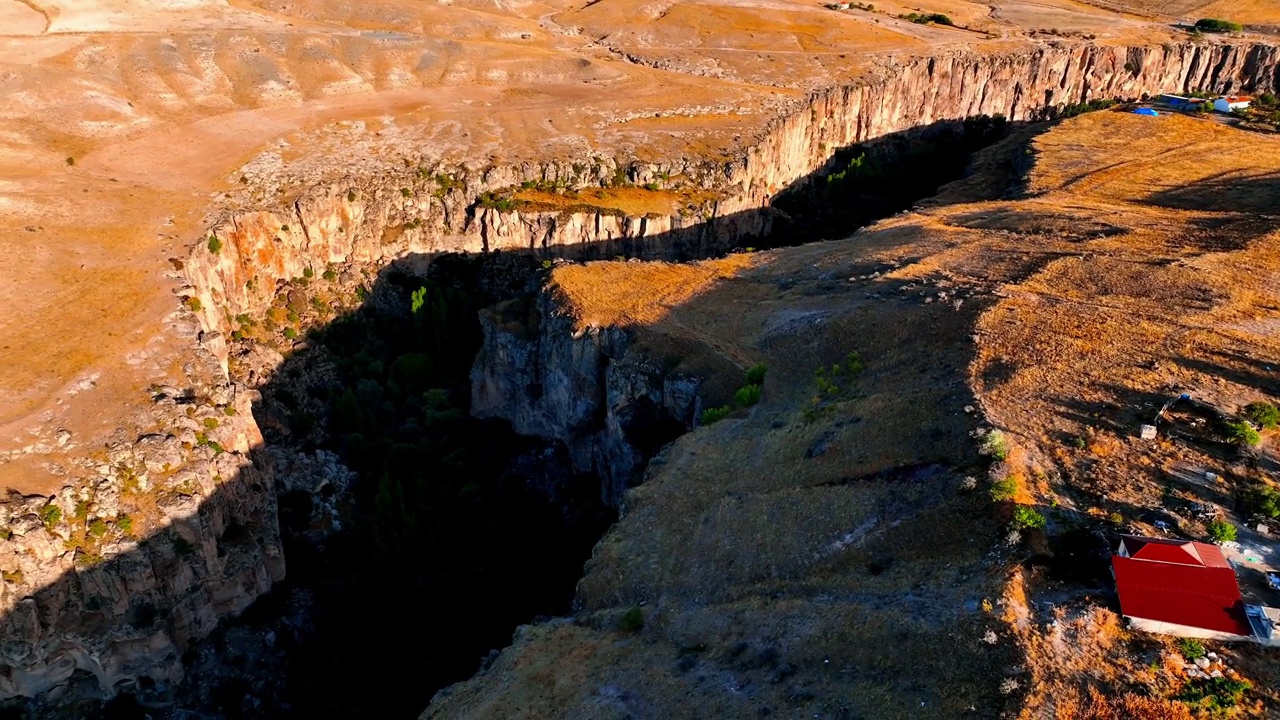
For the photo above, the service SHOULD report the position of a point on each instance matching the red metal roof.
(1184, 593)
(1182, 552)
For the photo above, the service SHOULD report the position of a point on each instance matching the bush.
(1026, 518)
(1242, 433)
(713, 415)
(97, 528)
(1215, 25)
(125, 524)
(1190, 648)
(632, 620)
(755, 374)
(50, 515)
(1262, 500)
(995, 446)
(215, 245)
(193, 304)
(1214, 694)
(1004, 489)
(1222, 531)
(746, 396)
(1263, 414)
(926, 18)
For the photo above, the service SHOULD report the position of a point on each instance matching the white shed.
(1227, 103)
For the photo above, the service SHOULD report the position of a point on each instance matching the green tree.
(1263, 414)
(1221, 531)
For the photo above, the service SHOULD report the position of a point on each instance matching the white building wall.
(1167, 628)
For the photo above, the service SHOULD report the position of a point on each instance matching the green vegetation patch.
(1026, 518)
(1240, 432)
(1190, 648)
(1216, 25)
(632, 620)
(1214, 695)
(1221, 531)
(50, 515)
(928, 18)
(1263, 414)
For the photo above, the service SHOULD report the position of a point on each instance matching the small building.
(1227, 103)
(1179, 102)
(1178, 587)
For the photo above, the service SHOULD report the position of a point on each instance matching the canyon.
(146, 509)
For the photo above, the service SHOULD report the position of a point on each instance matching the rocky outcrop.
(440, 209)
(151, 543)
(611, 408)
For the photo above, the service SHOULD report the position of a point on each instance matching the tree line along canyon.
(620, 359)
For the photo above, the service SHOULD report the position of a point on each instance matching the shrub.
(1262, 500)
(1026, 518)
(50, 515)
(351, 196)
(1004, 489)
(406, 192)
(97, 528)
(290, 333)
(1190, 648)
(1216, 25)
(755, 374)
(926, 18)
(1221, 531)
(125, 524)
(1263, 414)
(747, 395)
(632, 620)
(193, 304)
(713, 415)
(995, 446)
(215, 245)
(308, 273)
(1214, 694)
(1242, 433)
(329, 275)
(211, 423)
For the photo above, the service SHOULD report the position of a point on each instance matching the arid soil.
(126, 124)
(842, 533)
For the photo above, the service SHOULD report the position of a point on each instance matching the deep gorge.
(423, 456)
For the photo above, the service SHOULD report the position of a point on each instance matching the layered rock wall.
(611, 409)
(154, 539)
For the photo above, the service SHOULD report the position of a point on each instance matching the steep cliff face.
(439, 209)
(611, 408)
(553, 382)
(159, 537)
(1020, 85)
